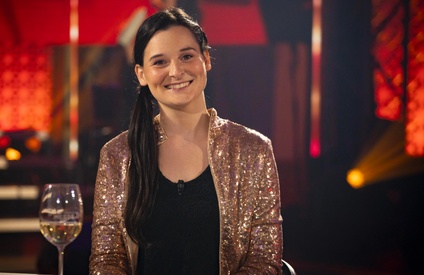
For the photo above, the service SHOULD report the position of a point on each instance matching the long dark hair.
(142, 137)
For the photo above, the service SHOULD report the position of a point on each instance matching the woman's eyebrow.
(187, 49)
(182, 50)
(155, 56)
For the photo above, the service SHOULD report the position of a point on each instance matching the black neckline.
(167, 181)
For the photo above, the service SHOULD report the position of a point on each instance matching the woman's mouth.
(178, 85)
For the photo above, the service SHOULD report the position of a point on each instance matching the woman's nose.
(176, 70)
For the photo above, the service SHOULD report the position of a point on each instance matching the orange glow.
(33, 144)
(415, 90)
(388, 54)
(386, 159)
(394, 84)
(355, 178)
(22, 80)
(12, 154)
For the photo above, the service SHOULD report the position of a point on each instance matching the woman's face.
(175, 69)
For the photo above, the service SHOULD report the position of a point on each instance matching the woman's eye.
(187, 57)
(159, 62)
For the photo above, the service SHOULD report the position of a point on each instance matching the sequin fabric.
(247, 185)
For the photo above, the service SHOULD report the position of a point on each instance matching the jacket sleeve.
(264, 255)
(108, 251)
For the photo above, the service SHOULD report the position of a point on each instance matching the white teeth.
(178, 86)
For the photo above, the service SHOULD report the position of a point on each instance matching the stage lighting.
(33, 144)
(383, 158)
(355, 178)
(12, 154)
(4, 142)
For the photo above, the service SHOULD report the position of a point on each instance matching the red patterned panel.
(388, 29)
(415, 91)
(25, 88)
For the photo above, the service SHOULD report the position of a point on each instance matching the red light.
(4, 142)
(314, 148)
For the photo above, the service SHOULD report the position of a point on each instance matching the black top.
(183, 230)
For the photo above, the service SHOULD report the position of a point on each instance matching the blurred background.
(338, 85)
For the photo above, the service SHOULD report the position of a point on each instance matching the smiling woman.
(185, 191)
(175, 70)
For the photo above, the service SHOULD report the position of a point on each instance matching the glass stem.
(61, 250)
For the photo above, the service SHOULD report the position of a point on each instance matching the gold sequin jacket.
(247, 185)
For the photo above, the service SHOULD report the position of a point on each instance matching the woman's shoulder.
(118, 144)
(240, 133)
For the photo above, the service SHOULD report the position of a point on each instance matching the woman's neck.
(187, 125)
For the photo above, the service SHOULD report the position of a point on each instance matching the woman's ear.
(139, 72)
(207, 60)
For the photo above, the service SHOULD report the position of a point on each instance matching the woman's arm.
(266, 238)
(108, 252)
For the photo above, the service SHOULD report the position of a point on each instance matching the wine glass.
(61, 216)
